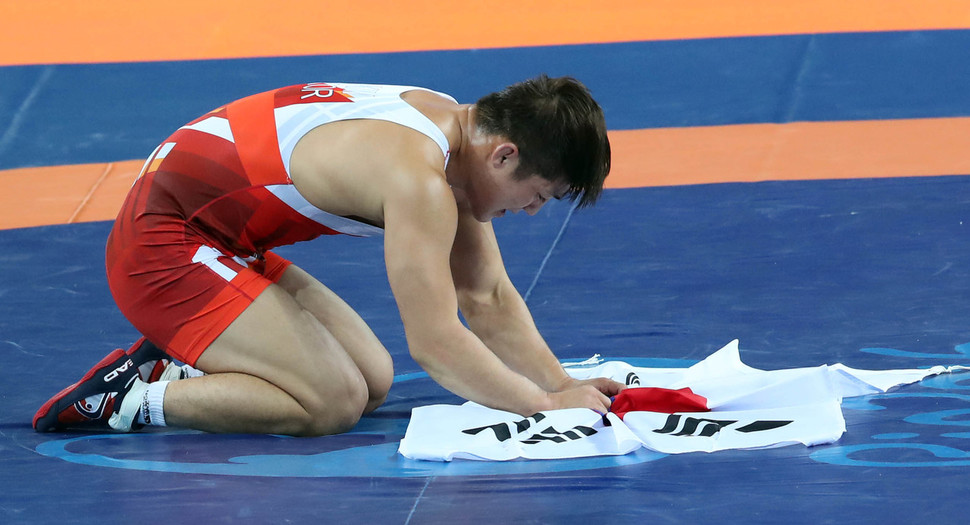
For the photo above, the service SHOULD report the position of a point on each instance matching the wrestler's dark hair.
(559, 130)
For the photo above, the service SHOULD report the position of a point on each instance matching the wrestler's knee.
(379, 383)
(336, 409)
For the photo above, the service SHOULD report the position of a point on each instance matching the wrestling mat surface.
(793, 176)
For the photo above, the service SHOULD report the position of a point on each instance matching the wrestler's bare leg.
(278, 369)
(348, 328)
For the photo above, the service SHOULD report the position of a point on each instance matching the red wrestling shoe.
(98, 399)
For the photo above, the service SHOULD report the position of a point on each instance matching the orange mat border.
(73, 31)
(794, 151)
(648, 157)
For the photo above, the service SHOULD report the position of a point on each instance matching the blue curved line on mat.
(896, 435)
(841, 455)
(940, 417)
(946, 456)
(872, 402)
(367, 462)
(963, 353)
(380, 460)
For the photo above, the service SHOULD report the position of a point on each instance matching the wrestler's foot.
(108, 397)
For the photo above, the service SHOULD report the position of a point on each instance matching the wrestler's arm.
(421, 218)
(497, 314)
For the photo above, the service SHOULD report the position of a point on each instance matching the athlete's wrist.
(565, 383)
(540, 403)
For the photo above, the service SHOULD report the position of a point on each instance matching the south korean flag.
(717, 404)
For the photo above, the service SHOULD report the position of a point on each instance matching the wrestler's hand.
(581, 396)
(605, 385)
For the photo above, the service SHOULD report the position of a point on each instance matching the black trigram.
(502, 430)
(677, 425)
(632, 379)
(551, 434)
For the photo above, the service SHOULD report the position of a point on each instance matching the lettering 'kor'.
(320, 92)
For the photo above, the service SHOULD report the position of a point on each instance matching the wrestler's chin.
(487, 216)
(493, 215)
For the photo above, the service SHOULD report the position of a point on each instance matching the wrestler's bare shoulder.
(349, 167)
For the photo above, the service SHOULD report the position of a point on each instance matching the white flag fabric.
(746, 408)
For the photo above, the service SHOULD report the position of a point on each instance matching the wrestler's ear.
(504, 155)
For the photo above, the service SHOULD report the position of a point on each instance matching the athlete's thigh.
(277, 340)
(355, 337)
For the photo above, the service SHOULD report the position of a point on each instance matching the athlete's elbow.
(434, 342)
(425, 355)
(433, 353)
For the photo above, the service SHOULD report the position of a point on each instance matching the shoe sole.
(45, 420)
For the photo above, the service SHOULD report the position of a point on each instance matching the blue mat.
(802, 273)
(871, 273)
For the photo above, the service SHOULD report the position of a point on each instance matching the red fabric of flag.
(648, 399)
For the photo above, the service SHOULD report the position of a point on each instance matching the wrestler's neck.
(467, 165)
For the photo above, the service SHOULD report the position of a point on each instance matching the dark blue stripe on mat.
(106, 112)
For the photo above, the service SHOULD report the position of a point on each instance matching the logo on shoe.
(112, 375)
(92, 407)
